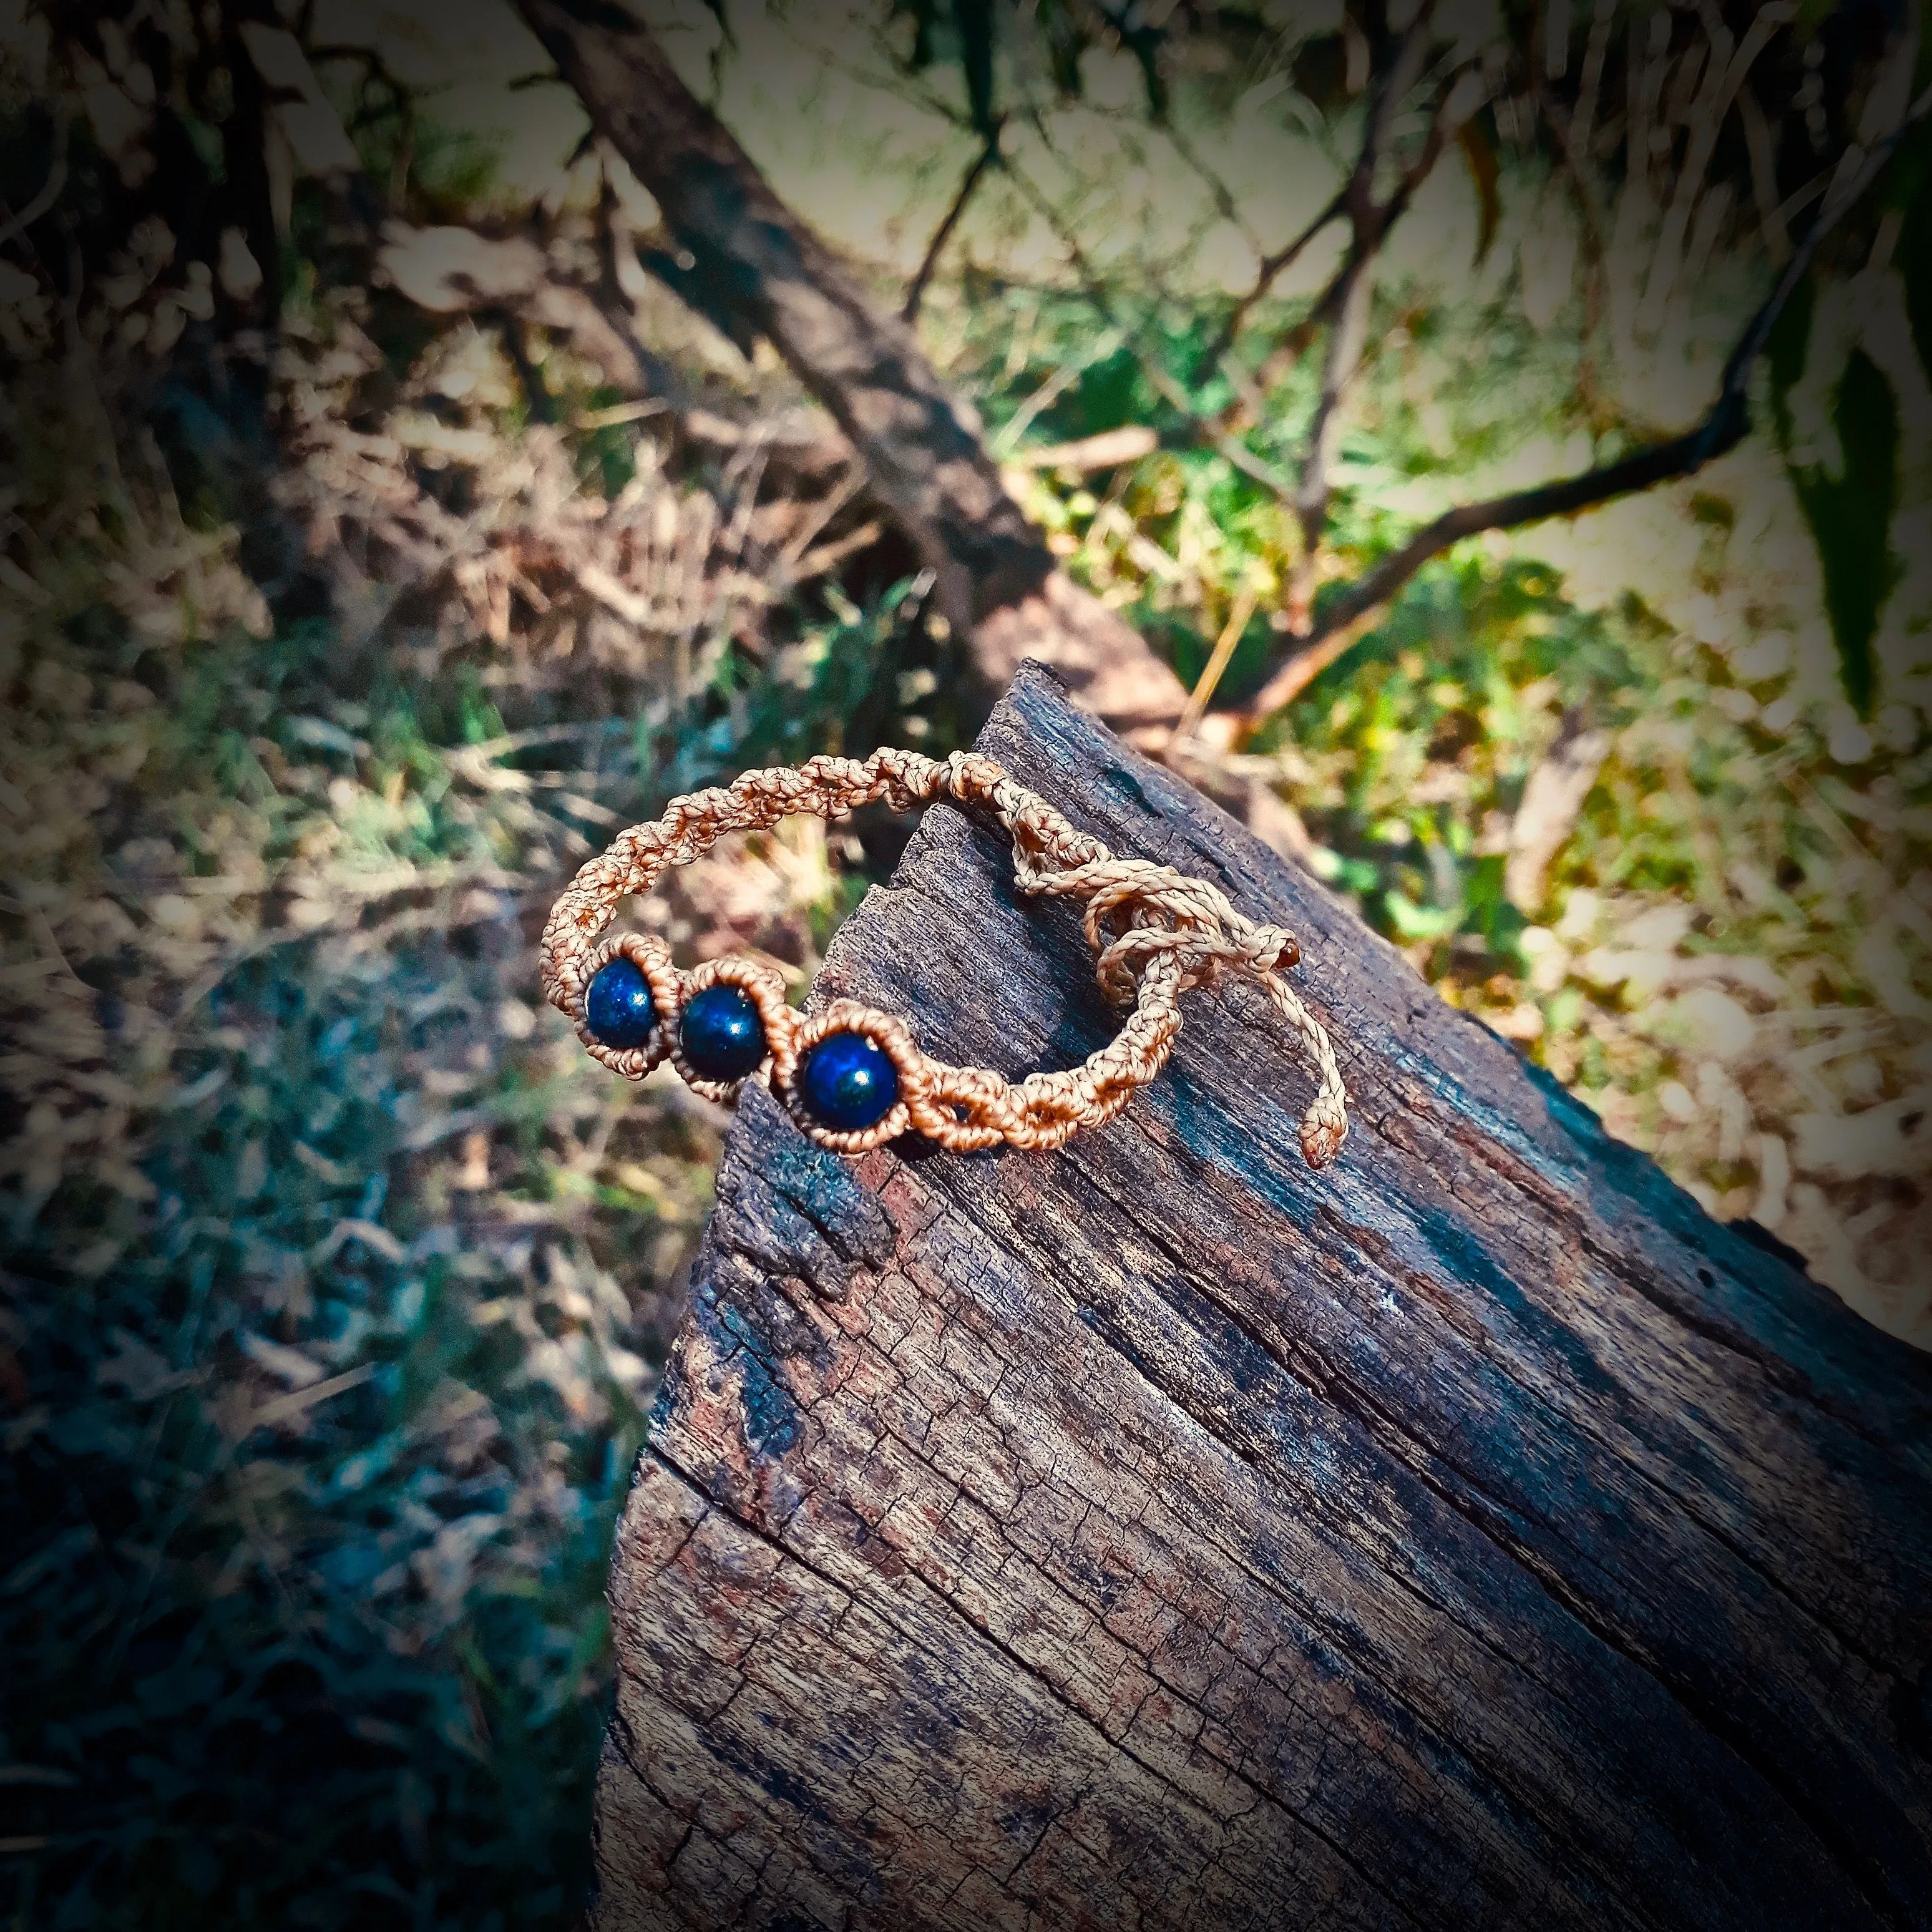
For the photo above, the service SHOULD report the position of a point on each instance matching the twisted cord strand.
(1155, 932)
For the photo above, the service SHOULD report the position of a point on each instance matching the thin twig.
(1273, 268)
(987, 156)
(1105, 449)
(816, 519)
(1723, 427)
(1209, 681)
(1050, 391)
(1371, 222)
(1368, 223)
(1346, 340)
(1226, 205)
(1308, 663)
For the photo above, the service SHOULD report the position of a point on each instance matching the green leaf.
(1485, 171)
(1850, 516)
(1410, 921)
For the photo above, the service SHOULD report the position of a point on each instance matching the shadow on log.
(1160, 1534)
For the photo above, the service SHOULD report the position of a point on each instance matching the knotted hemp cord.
(1155, 933)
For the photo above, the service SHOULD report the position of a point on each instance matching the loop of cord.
(1155, 932)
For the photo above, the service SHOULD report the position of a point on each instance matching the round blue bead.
(848, 1083)
(618, 1007)
(720, 1035)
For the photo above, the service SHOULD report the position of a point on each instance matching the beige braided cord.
(1156, 932)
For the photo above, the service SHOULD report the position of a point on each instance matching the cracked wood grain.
(1158, 1535)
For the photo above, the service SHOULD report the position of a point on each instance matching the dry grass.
(337, 1274)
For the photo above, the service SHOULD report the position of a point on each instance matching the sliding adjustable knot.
(853, 1078)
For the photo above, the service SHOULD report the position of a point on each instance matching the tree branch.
(996, 581)
(1222, 433)
(925, 457)
(1369, 223)
(1723, 427)
(1272, 267)
(974, 174)
(1222, 195)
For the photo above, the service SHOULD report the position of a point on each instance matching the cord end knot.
(1324, 1129)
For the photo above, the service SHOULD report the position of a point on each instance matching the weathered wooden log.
(1160, 1534)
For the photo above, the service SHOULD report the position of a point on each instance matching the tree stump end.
(1159, 1533)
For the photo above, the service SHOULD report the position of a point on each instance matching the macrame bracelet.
(852, 1077)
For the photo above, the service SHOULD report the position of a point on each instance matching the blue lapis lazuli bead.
(720, 1035)
(848, 1083)
(619, 1009)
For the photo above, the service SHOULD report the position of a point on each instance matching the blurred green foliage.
(1850, 508)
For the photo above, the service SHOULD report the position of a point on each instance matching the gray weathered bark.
(1157, 1533)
